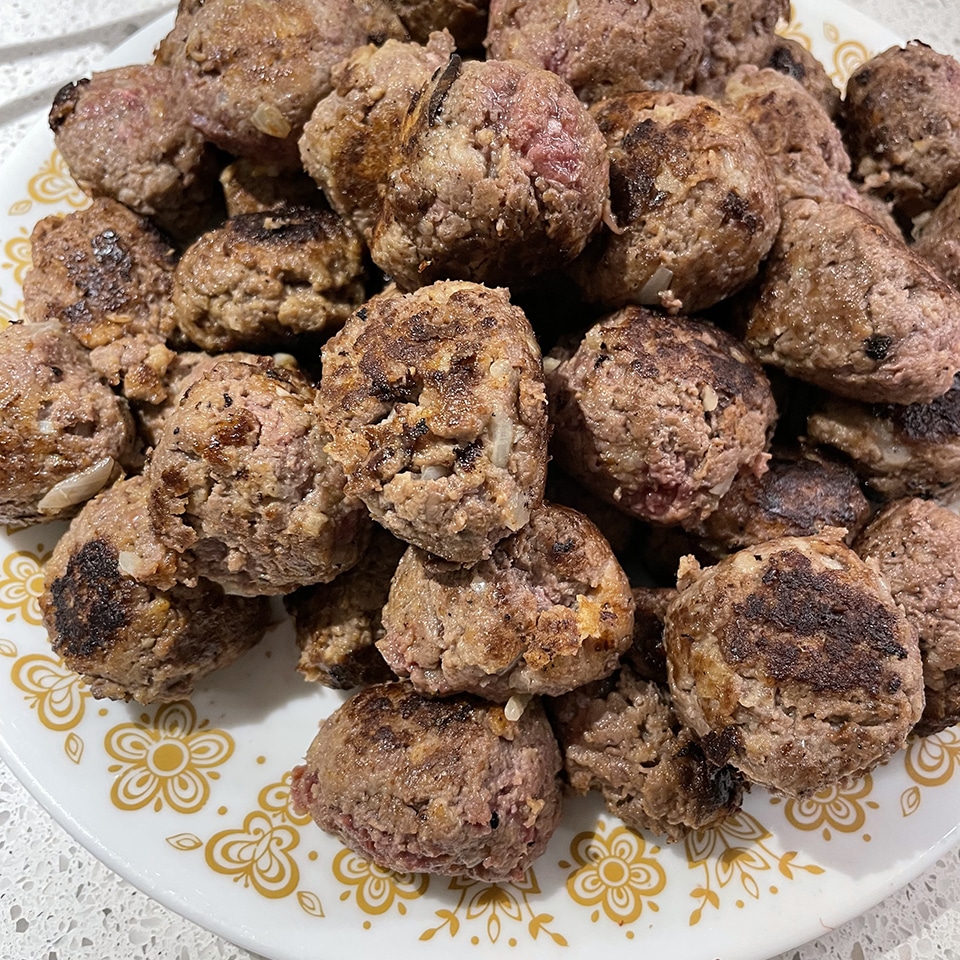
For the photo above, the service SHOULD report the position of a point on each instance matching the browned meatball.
(126, 134)
(899, 450)
(791, 661)
(803, 146)
(465, 19)
(338, 623)
(137, 364)
(103, 272)
(549, 611)
(263, 278)
(347, 145)
(800, 495)
(252, 187)
(658, 414)
(436, 404)
(253, 71)
(150, 414)
(130, 640)
(900, 99)
(916, 546)
(845, 305)
(734, 32)
(623, 738)
(450, 786)
(791, 58)
(500, 174)
(63, 431)
(693, 203)
(646, 655)
(938, 238)
(602, 48)
(243, 489)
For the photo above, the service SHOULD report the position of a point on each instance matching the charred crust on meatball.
(442, 82)
(64, 102)
(932, 422)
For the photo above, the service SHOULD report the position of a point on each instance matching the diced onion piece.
(501, 439)
(128, 562)
(269, 120)
(434, 472)
(514, 707)
(46, 428)
(651, 290)
(550, 364)
(710, 398)
(78, 487)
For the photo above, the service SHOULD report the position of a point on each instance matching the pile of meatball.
(583, 377)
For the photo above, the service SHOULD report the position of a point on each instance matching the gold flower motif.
(847, 56)
(837, 807)
(166, 761)
(21, 583)
(52, 689)
(19, 258)
(794, 30)
(377, 888)
(615, 872)
(53, 184)
(931, 761)
(258, 854)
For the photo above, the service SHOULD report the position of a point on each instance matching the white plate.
(187, 801)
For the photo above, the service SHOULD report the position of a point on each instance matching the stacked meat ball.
(323, 328)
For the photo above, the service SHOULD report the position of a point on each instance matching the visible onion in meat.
(78, 487)
(501, 439)
(651, 290)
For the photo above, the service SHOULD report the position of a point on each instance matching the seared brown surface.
(848, 307)
(623, 738)
(646, 654)
(792, 662)
(500, 174)
(916, 546)
(938, 240)
(252, 187)
(126, 134)
(348, 144)
(900, 98)
(263, 278)
(657, 414)
(338, 623)
(57, 419)
(449, 786)
(693, 205)
(243, 489)
(793, 59)
(436, 404)
(602, 48)
(465, 19)
(128, 638)
(549, 611)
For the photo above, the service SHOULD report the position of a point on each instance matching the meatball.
(800, 495)
(549, 611)
(693, 203)
(938, 238)
(449, 786)
(658, 414)
(263, 278)
(623, 738)
(347, 145)
(436, 405)
(802, 145)
(899, 449)
(252, 187)
(338, 623)
(63, 431)
(150, 414)
(500, 174)
(102, 272)
(243, 489)
(734, 32)
(253, 71)
(791, 58)
(602, 48)
(126, 134)
(846, 306)
(465, 19)
(127, 638)
(898, 100)
(646, 655)
(792, 662)
(916, 546)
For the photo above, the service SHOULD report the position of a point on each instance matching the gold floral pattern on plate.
(840, 807)
(167, 760)
(733, 855)
(492, 906)
(52, 184)
(616, 873)
(21, 583)
(930, 762)
(18, 255)
(52, 689)
(375, 888)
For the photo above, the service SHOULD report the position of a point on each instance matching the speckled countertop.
(57, 902)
